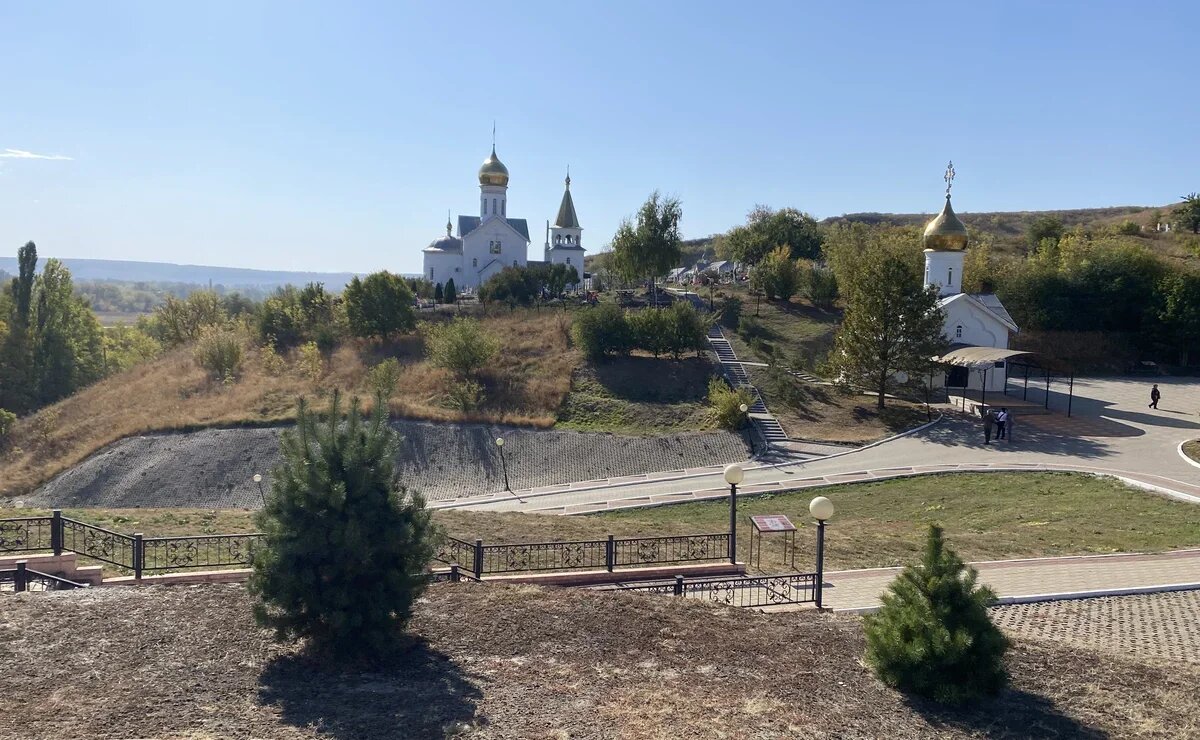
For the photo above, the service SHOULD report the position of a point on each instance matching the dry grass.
(525, 384)
(491, 661)
(1192, 449)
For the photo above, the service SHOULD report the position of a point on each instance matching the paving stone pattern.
(1164, 625)
(213, 468)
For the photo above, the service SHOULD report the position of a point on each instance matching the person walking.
(1154, 396)
(1001, 423)
(988, 421)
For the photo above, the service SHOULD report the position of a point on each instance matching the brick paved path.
(1165, 625)
(858, 589)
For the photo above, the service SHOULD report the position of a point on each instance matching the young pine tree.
(346, 545)
(451, 293)
(438, 296)
(933, 637)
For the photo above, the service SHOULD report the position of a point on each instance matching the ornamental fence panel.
(204, 551)
(747, 592)
(98, 543)
(26, 534)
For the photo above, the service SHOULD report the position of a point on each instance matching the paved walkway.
(1111, 432)
(860, 589)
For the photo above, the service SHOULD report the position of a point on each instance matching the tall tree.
(767, 229)
(451, 294)
(892, 325)
(345, 545)
(649, 246)
(379, 305)
(1189, 213)
(1179, 313)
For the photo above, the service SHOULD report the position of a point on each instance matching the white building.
(491, 241)
(972, 319)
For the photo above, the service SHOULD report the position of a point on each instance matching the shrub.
(451, 293)
(515, 286)
(822, 287)
(384, 377)
(601, 331)
(460, 346)
(310, 361)
(726, 403)
(687, 329)
(438, 295)
(777, 276)
(1129, 228)
(464, 394)
(379, 305)
(933, 637)
(730, 313)
(219, 351)
(272, 362)
(345, 545)
(8, 420)
(650, 330)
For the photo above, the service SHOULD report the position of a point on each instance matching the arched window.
(950, 276)
(493, 205)
(568, 260)
(474, 262)
(431, 274)
(958, 332)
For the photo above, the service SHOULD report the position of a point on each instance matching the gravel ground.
(1165, 625)
(493, 661)
(213, 468)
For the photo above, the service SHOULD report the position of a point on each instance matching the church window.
(958, 332)
(514, 263)
(494, 247)
(474, 262)
(950, 276)
(431, 274)
(493, 205)
(558, 238)
(568, 260)
(502, 213)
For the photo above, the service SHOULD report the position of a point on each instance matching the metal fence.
(607, 554)
(25, 534)
(740, 591)
(23, 578)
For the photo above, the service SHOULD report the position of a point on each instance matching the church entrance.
(958, 377)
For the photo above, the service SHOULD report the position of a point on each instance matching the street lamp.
(503, 463)
(258, 480)
(821, 509)
(745, 409)
(733, 476)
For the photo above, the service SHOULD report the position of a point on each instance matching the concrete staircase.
(764, 422)
(64, 566)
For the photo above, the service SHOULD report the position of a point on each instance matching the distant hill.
(165, 272)
(1013, 223)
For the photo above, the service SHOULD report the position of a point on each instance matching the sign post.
(767, 524)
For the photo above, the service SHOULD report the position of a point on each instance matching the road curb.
(1186, 458)
(1062, 596)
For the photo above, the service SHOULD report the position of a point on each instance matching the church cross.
(949, 178)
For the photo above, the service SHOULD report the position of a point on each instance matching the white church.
(492, 240)
(977, 324)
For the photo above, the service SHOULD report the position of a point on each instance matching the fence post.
(21, 577)
(820, 560)
(610, 554)
(679, 585)
(56, 532)
(478, 559)
(454, 572)
(139, 554)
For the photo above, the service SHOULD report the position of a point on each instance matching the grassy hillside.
(525, 385)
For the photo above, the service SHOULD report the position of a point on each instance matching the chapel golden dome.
(493, 171)
(946, 233)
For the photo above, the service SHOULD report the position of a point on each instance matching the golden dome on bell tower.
(946, 233)
(493, 171)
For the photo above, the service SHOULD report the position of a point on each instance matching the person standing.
(1154, 396)
(1001, 423)
(988, 421)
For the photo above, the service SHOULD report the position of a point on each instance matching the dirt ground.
(491, 661)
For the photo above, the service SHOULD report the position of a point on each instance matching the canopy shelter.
(984, 359)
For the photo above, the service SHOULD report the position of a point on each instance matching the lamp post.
(821, 509)
(258, 482)
(733, 476)
(503, 463)
(745, 409)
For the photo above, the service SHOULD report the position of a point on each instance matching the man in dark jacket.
(1154, 396)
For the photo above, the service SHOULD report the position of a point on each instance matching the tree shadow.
(959, 430)
(419, 692)
(1012, 714)
(662, 380)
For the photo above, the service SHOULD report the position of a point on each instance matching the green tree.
(601, 331)
(18, 374)
(649, 245)
(777, 275)
(379, 305)
(69, 343)
(933, 636)
(345, 545)
(727, 404)
(439, 296)
(461, 346)
(1188, 214)
(1179, 312)
(650, 330)
(512, 285)
(126, 346)
(892, 325)
(766, 229)
(1045, 227)
(179, 321)
(822, 286)
(451, 294)
(687, 329)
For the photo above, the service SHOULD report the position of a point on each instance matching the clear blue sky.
(334, 136)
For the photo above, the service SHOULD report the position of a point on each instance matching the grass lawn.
(1192, 449)
(639, 395)
(793, 333)
(987, 516)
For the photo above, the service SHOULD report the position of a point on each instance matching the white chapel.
(972, 319)
(493, 240)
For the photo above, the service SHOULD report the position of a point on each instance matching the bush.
(727, 404)
(650, 330)
(451, 293)
(687, 329)
(822, 287)
(345, 546)
(384, 377)
(464, 394)
(1129, 228)
(310, 361)
(219, 351)
(460, 346)
(515, 286)
(601, 331)
(730, 313)
(8, 420)
(777, 276)
(933, 637)
(272, 362)
(438, 295)
(379, 305)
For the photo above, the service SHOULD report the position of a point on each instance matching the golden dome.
(493, 171)
(946, 233)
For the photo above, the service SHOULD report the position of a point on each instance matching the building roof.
(988, 303)
(566, 217)
(978, 356)
(992, 301)
(720, 264)
(467, 224)
(446, 244)
(566, 248)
